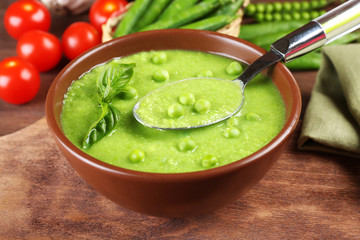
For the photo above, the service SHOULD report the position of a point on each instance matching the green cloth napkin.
(332, 118)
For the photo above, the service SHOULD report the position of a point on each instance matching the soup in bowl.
(171, 173)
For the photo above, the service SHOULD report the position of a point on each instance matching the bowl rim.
(60, 137)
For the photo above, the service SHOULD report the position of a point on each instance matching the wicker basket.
(232, 29)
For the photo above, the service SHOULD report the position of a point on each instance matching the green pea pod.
(104, 126)
(285, 6)
(310, 61)
(229, 8)
(265, 41)
(154, 10)
(175, 7)
(187, 16)
(132, 15)
(249, 31)
(212, 23)
(113, 79)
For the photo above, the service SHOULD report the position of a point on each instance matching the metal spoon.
(317, 33)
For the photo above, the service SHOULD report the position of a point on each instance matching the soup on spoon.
(190, 103)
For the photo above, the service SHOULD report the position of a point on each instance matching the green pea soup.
(134, 146)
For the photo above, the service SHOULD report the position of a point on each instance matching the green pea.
(250, 9)
(268, 17)
(234, 68)
(231, 132)
(137, 155)
(260, 7)
(159, 58)
(277, 17)
(305, 5)
(296, 6)
(323, 3)
(277, 6)
(187, 145)
(233, 121)
(209, 161)
(260, 17)
(129, 93)
(287, 17)
(314, 4)
(202, 105)
(252, 116)
(314, 14)
(187, 99)
(175, 111)
(269, 7)
(287, 6)
(305, 15)
(161, 75)
(296, 15)
(205, 73)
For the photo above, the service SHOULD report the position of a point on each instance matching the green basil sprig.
(112, 80)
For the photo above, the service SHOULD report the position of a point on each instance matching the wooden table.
(306, 195)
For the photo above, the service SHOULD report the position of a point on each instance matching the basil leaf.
(104, 126)
(113, 79)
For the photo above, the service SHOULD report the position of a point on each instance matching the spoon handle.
(320, 31)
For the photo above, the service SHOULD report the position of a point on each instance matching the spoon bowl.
(149, 112)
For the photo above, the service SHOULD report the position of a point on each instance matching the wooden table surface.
(306, 195)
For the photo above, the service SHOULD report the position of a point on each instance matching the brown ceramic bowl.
(180, 194)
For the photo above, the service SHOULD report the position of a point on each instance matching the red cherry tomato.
(101, 10)
(19, 80)
(41, 49)
(79, 37)
(25, 15)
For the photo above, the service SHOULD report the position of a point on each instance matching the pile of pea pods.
(146, 15)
